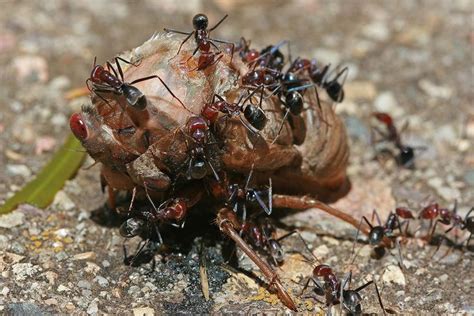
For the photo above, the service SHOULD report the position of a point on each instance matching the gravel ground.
(413, 59)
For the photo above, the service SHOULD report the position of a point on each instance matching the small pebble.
(393, 274)
(23, 271)
(84, 284)
(12, 219)
(435, 91)
(62, 288)
(103, 282)
(93, 308)
(18, 170)
(63, 202)
(386, 102)
(143, 311)
(90, 255)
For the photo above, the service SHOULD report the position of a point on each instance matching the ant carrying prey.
(203, 41)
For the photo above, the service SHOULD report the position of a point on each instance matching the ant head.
(351, 301)
(132, 227)
(376, 235)
(200, 21)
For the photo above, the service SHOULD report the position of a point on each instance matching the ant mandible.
(102, 80)
(203, 41)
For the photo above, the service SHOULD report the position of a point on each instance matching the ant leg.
(218, 23)
(374, 213)
(281, 126)
(134, 193)
(354, 243)
(164, 84)
(194, 53)
(137, 253)
(227, 224)
(379, 298)
(110, 67)
(399, 253)
(303, 241)
(184, 41)
(367, 221)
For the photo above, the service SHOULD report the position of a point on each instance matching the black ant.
(253, 114)
(469, 225)
(406, 155)
(103, 80)
(203, 41)
(378, 233)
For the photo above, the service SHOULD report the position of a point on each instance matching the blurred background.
(412, 59)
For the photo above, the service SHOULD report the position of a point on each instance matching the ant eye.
(200, 22)
(78, 127)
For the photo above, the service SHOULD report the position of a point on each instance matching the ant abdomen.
(255, 116)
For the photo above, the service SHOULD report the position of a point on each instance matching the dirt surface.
(413, 59)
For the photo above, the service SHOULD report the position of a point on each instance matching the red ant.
(441, 215)
(103, 80)
(203, 41)
(146, 222)
(247, 54)
(319, 76)
(261, 235)
(406, 155)
(335, 290)
(254, 114)
(197, 128)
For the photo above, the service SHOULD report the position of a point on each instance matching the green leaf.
(41, 191)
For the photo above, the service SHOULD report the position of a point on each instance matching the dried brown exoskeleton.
(167, 145)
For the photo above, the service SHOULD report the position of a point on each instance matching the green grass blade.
(41, 191)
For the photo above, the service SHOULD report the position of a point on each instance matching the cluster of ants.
(269, 75)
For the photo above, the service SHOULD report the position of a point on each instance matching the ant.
(238, 197)
(254, 114)
(319, 76)
(197, 128)
(102, 80)
(469, 225)
(261, 235)
(378, 233)
(335, 290)
(247, 54)
(406, 155)
(203, 41)
(443, 216)
(146, 222)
